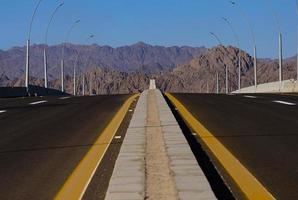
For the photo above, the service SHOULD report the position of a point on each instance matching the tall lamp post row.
(27, 70)
(253, 40)
(280, 49)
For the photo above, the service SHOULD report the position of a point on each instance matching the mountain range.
(128, 69)
(138, 57)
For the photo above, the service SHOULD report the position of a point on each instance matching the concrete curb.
(128, 179)
(189, 178)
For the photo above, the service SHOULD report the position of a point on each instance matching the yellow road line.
(76, 184)
(249, 185)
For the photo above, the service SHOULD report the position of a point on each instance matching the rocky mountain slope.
(176, 69)
(199, 75)
(139, 57)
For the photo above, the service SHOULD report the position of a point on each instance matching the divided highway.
(42, 140)
(261, 131)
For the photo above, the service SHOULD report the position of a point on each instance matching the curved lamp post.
(63, 47)
(216, 38)
(219, 42)
(46, 43)
(27, 70)
(226, 68)
(297, 40)
(253, 40)
(239, 55)
(83, 84)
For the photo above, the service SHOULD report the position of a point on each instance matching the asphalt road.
(260, 130)
(41, 143)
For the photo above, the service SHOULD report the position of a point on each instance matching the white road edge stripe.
(2, 111)
(249, 96)
(285, 103)
(37, 102)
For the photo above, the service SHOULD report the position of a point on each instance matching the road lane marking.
(284, 102)
(117, 137)
(248, 184)
(64, 98)
(2, 111)
(252, 97)
(38, 102)
(77, 183)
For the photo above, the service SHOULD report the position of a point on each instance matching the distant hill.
(128, 69)
(138, 57)
(195, 75)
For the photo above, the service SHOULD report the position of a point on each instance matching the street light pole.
(227, 80)
(63, 47)
(83, 84)
(74, 74)
(74, 71)
(219, 42)
(239, 54)
(27, 70)
(280, 52)
(255, 67)
(45, 48)
(226, 68)
(207, 86)
(74, 81)
(280, 61)
(88, 38)
(254, 43)
(297, 40)
(216, 38)
(217, 83)
(90, 85)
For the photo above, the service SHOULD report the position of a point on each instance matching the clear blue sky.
(157, 22)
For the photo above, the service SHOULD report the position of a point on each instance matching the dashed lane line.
(251, 97)
(64, 98)
(2, 111)
(284, 102)
(38, 102)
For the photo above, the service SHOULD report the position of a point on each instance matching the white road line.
(117, 137)
(2, 111)
(64, 97)
(284, 102)
(37, 102)
(252, 97)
